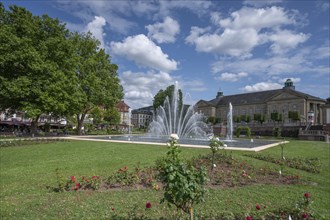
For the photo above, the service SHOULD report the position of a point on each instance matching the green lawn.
(26, 172)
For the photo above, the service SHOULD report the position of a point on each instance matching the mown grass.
(26, 172)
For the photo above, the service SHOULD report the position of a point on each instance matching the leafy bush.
(277, 132)
(240, 129)
(183, 184)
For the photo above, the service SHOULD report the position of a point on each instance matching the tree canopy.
(44, 68)
(160, 97)
(98, 81)
(36, 73)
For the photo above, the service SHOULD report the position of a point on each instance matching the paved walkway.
(90, 138)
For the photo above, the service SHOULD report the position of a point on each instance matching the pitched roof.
(256, 97)
(248, 98)
(122, 106)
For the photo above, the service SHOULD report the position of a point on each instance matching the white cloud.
(215, 18)
(245, 29)
(261, 86)
(96, 28)
(164, 32)
(257, 19)
(140, 88)
(285, 40)
(231, 77)
(230, 42)
(144, 52)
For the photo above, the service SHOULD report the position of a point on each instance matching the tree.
(112, 116)
(36, 73)
(160, 97)
(98, 81)
(294, 115)
(259, 118)
(275, 116)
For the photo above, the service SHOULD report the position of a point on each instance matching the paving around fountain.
(241, 144)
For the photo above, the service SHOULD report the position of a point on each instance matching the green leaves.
(183, 184)
(45, 69)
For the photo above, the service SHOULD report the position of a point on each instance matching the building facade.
(124, 111)
(142, 117)
(282, 101)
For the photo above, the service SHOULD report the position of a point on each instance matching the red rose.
(148, 205)
(72, 178)
(307, 195)
(305, 215)
(248, 217)
(258, 207)
(113, 209)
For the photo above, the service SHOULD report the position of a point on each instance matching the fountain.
(230, 123)
(188, 125)
(174, 119)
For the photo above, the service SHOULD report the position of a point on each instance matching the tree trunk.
(80, 120)
(34, 125)
(191, 210)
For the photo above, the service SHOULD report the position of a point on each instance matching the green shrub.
(184, 185)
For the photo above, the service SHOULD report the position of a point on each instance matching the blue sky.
(207, 46)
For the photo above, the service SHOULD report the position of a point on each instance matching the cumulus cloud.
(164, 32)
(245, 29)
(230, 42)
(257, 18)
(140, 88)
(144, 52)
(285, 40)
(231, 77)
(96, 28)
(262, 86)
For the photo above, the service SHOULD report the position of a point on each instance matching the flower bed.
(312, 165)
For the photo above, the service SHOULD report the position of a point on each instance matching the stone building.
(142, 117)
(282, 101)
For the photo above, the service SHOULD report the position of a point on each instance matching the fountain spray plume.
(230, 123)
(173, 118)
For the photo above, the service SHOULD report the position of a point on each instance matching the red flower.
(148, 205)
(94, 177)
(73, 179)
(258, 207)
(244, 174)
(305, 215)
(113, 209)
(307, 195)
(248, 217)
